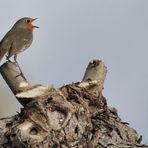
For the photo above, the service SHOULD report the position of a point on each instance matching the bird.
(18, 38)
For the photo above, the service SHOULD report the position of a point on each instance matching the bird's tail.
(2, 53)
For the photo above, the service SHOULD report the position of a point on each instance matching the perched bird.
(18, 38)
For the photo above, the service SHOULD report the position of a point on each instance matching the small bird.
(18, 38)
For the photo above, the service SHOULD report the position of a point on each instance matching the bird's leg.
(21, 73)
(15, 57)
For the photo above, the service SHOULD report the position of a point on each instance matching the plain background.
(71, 34)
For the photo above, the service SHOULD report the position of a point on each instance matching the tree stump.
(73, 116)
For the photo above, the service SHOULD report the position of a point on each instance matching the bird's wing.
(2, 53)
(5, 44)
(4, 47)
(10, 52)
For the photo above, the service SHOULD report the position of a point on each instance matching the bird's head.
(25, 23)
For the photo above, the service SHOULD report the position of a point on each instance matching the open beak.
(35, 27)
(34, 20)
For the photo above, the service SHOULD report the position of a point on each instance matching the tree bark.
(73, 116)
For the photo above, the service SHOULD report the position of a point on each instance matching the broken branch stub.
(94, 77)
(13, 77)
(19, 85)
(93, 80)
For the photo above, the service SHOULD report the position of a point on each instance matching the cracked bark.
(73, 116)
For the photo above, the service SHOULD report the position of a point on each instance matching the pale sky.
(71, 34)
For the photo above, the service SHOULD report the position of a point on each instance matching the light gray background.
(72, 33)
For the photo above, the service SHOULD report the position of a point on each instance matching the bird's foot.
(8, 58)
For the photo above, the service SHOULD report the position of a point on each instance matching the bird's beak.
(35, 27)
(34, 20)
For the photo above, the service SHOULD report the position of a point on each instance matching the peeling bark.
(73, 116)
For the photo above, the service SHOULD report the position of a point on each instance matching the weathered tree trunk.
(73, 116)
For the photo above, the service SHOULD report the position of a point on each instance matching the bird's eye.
(28, 21)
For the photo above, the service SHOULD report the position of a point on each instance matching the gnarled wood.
(73, 116)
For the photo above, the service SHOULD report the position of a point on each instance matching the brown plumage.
(18, 38)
